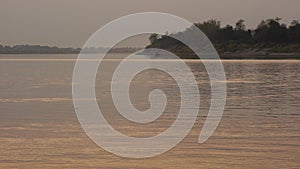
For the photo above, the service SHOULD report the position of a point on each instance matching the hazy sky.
(71, 22)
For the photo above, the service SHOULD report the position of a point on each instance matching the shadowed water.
(39, 128)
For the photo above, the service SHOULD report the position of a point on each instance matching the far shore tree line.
(38, 49)
(270, 33)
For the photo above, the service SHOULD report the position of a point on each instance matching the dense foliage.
(270, 34)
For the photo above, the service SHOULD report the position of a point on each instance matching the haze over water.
(39, 128)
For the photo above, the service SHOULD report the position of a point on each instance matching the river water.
(39, 129)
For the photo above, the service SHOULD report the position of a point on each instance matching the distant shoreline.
(223, 56)
(39, 49)
(277, 56)
(246, 55)
(52, 53)
(184, 53)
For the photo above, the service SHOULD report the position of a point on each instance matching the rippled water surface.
(39, 129)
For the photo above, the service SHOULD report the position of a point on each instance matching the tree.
(295, 23)
(226, 34)
(210, 28)
(271, 31)
(153, 38)
(240, 25)
(294, 32)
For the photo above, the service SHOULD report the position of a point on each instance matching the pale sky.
(69, 23)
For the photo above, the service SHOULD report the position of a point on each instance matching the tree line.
(38, 49)
(32, 49)
(268, 33)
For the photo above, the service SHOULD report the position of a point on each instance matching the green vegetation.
(269, 38)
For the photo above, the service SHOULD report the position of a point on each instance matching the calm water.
(39, 129)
